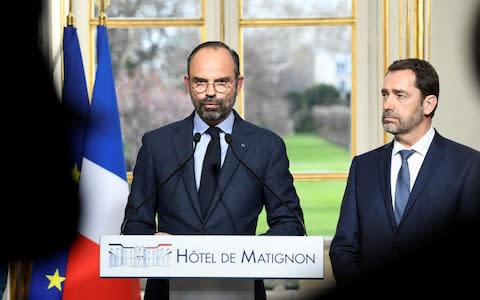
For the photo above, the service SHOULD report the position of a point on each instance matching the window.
(297, 62)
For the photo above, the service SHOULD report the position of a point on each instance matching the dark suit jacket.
(239, 199)
(444, 198)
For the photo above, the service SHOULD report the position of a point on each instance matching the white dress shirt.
(414, 162)
(200, 126)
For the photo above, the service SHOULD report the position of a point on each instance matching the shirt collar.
(226, 125)
(420, 147)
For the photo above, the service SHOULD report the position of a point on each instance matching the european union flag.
(49, 273)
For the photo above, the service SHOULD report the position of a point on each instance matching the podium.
(211, 266)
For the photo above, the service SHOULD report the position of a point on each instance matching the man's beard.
(224, 108)
(403, 126)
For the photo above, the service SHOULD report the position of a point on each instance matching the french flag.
(103, 191)
(48, 276)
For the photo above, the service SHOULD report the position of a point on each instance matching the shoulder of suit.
(170, 128)
(375, 152)
(260, 133)
(458, 148)
(248, 128)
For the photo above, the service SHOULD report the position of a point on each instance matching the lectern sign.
(211, 256)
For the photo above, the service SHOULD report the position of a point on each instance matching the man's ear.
(186, 82)
(240, 81)
(429, 104)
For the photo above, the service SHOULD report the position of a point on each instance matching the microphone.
(229, 140)
(196, 138)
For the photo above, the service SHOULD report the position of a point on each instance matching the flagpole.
(102, 17)
(70, 18)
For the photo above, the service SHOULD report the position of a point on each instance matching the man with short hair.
(419, 189)
(234, 197)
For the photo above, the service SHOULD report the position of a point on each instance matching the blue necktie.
(402, 189)
(210, 170)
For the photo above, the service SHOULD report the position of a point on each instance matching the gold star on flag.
(55, 280)
(76, 173)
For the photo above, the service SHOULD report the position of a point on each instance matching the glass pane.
(253, 9)
(149, 64)
(153, 9)
(320, 201)
(299, 85)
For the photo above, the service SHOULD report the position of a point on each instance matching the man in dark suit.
(378, 240)
(213, 80)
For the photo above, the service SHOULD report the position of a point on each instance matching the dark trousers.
(158, 289)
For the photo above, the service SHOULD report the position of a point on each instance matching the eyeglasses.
(219, 86)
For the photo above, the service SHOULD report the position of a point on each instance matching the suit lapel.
(182, 142)
(384, 168)
(432, 158)
(241, 141)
